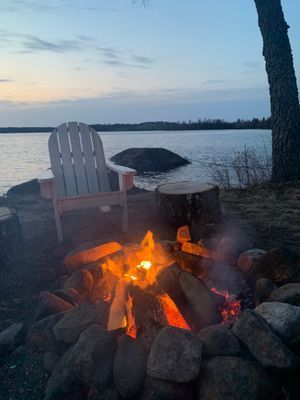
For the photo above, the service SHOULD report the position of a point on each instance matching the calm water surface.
(25, 155)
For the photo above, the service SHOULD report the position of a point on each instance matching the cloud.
(5, 80)
(107, 54)
(34, 44)
(123, 58)
(213, 82)
(251, 64)
(38, 6)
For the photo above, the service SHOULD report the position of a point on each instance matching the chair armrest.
(120, 169)
(46, 180)
(46, 176)
(125, 175)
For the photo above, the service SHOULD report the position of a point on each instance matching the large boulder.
(42, 336)
(130, 366)
(289, 293)
(82, 281)
(88, 363)
(232, 378)
(263, 289)
(253, 330)
(149, 159)
(69, 328)
(283, 318)
(248, 258)
(281, 265)
(175, 355)
(49, 304)
(218, 341)
(92, 357)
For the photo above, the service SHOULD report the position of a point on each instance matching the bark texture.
(283, 91)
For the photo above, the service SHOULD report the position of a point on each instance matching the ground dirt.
(267, 216)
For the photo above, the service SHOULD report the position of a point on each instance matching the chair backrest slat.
(88, 153)
(100, 162)
(56, 165)
(79, 166)
(67, 163)
(77, 160)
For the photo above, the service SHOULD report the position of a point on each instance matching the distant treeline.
(255, 123)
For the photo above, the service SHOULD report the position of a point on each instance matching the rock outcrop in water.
(149, 159)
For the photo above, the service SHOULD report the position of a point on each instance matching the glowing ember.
(232, 308)
(172, 313)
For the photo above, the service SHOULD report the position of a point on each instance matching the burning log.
(201, 251)
(148, 314)
(187, 203)
(120, 314)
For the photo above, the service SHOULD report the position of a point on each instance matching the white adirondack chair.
(78, 176)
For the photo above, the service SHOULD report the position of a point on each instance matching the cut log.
(10, 235)
(148, 313)
(188, 203)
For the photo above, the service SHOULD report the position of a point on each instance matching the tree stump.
(188, 203)
(11, 241)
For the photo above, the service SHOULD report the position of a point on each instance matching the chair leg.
(125, 214)
(57, 221)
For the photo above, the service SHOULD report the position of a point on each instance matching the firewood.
(201, 251)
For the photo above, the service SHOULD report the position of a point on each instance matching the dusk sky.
(108, 61)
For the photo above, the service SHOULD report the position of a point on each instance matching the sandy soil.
(268, 216)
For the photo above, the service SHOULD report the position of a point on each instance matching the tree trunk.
(283, 91)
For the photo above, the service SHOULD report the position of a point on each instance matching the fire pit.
(149, 319)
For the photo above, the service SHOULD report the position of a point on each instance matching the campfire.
(144, 320)
(150, 289)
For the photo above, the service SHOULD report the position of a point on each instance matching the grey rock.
(69, 328)
(218, 341)
(232, 378)
(42, 336)
(82, 281)
(283, 318)
(130, 366)
(88, 363)
(263, 289)
(281, 265)
(289, 293)
(247, 259)
(200, 299)
(11, 337)
(63, 380)
(49, 304)
(157, 389)
(252, 330)
(175, 355)
(92, 357)
(149, 159)
(70, 295)
(49, 361)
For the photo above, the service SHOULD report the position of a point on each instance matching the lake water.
(25, 155)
